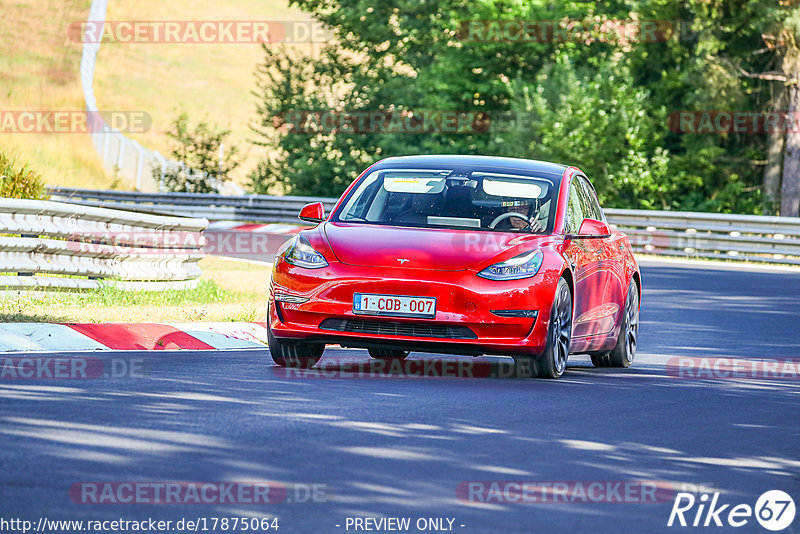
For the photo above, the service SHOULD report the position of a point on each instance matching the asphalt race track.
(400, 446)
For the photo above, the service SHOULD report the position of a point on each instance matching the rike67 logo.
(774, 510)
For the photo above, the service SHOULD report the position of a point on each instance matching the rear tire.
(625, 350)
(389, 354)
(294, 353)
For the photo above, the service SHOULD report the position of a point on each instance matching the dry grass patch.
(39, 71)
(211, 81)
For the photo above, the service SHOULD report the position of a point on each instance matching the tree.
(790, 188)
(708, 69)
(314, 162)
(783, 42)
(776, 144)
(597, 117)
(608, 116)
(404, 57)
(202, 168)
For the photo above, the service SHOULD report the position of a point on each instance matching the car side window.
(583, 197)
(591, 206)
(574, 208)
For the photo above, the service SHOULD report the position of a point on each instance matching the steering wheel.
(507, 215)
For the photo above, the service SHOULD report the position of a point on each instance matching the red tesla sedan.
(463, 255)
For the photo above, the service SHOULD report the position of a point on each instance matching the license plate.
(394, 305)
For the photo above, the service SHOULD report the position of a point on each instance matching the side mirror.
(313, 213)
(592, 229)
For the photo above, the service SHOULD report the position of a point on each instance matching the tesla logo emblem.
(402, 260)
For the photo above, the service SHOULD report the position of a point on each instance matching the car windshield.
(476, 199)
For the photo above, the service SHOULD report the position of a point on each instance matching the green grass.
(228, 291)
(205, 292)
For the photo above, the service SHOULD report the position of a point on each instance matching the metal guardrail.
(711, 235)
(672, 233)
(54, 245)
(252, 208)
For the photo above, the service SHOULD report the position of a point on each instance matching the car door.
(602, 314)
(584, 255)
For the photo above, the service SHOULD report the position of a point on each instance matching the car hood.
(423, 248)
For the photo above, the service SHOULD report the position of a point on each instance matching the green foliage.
(19, 181)
(318, 163)
(600, 105)
(596, 118)
(198, 148)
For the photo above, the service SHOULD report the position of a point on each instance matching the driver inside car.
(519, 223)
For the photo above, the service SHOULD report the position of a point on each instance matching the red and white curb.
(49, 337)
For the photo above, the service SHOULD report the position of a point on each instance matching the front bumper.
(464, 321)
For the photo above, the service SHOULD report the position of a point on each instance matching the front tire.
(389, 354)
(294, 353)
(625, 350)
(553, 361)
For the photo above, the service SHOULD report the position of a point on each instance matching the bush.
(197, 149)
(19, 182)
(597, 119)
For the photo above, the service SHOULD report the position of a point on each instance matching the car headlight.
(302, 254)
(525, 265)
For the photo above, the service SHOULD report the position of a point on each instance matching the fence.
(687, 234)
(710, 235)
(253, 208)
(53, 245)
